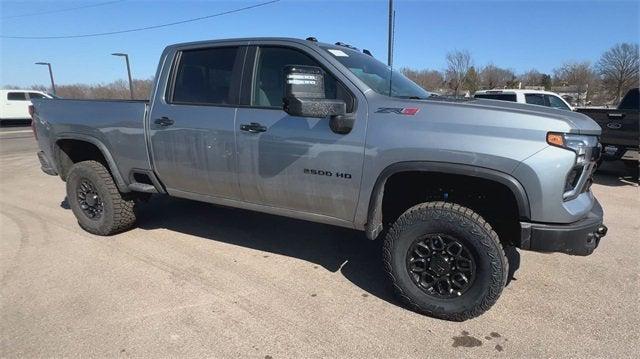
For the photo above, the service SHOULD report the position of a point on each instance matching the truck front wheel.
(445, 261)
(95, 200)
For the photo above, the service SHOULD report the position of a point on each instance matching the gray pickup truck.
(328, 134)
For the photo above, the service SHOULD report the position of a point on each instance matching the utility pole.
(126, 57)
(390, 42)
(53, 85)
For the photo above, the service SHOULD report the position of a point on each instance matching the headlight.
(576, 143)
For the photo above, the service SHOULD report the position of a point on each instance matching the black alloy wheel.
(89, 199)
(441, 265)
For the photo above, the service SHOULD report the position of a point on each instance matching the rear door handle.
(163, 121)
(616, 115)
(253, 127)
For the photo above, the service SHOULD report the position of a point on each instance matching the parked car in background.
(14, 104)
(532, 97)
(619, 127)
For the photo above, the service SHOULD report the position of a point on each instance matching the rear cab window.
(207, 76)
(631, 100)
(498, 96)
(17, 96)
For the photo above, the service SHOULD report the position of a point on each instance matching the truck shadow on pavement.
(616, 173)
(333, 248)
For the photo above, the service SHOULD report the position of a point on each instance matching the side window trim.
(236, 76)
(251, 67)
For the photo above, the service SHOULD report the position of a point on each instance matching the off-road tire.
(117, 209)
(468, 227)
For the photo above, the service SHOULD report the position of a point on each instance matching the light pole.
(53, 85)
(126, 58)
(390, 39)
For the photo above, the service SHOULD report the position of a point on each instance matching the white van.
(14, 104)
(532, 97)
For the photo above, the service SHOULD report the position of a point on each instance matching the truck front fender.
(374, 224)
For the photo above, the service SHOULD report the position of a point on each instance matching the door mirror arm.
(342, 124)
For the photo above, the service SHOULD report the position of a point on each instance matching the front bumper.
(45, 164)
(579, 238)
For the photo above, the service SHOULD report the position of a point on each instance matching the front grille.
(580, 177)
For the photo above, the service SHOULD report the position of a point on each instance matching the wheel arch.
(374, 225)
(99, 146)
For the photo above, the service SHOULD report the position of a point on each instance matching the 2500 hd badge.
(327, 173)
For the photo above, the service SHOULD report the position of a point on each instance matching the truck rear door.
(296, 163)
(192, 122)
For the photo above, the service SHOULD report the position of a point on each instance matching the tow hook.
(601, 231)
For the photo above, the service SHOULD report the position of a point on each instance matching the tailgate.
(619, 127)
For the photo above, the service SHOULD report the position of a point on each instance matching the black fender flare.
(113, 168)
(374, 225)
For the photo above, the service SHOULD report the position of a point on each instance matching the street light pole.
(126, 58)
(53, 85)
(390, 40)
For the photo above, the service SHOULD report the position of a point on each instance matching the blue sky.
(515, 34)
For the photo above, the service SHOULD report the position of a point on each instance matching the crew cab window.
(36, 95)
(204, 76)
(268, 86)
(17, 96)
(534, 99)
(494, 96)
(556, 102)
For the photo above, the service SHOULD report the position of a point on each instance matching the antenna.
(392, 23)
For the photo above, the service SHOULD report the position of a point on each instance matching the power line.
(60, 10)
(141, 28)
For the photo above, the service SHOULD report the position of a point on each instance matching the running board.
(142, 187)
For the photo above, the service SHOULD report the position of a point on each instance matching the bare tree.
(431, 80)
(618, 69)
(579, 75)
(115, 90)
(458, 64)
(532, 77)
(472, 81)
(492, 77)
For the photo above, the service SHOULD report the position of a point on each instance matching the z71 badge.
(327, 173)
(408, 111)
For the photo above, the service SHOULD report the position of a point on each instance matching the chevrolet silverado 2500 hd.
(329, 134)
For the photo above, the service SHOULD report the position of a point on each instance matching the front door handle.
(163, 121)
(253, 127)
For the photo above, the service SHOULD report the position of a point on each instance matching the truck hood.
(567, 121)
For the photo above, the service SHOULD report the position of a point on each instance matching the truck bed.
(117, 124)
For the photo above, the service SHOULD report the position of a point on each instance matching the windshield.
(377, 75)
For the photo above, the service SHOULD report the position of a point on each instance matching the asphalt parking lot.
(200, 280)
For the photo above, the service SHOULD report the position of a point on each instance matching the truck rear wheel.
(95, 200)
(445, 261)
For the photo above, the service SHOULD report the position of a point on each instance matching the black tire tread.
(123, 208)
(418, 213)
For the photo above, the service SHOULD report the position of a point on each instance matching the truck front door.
(296, 163)
(192, 126)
